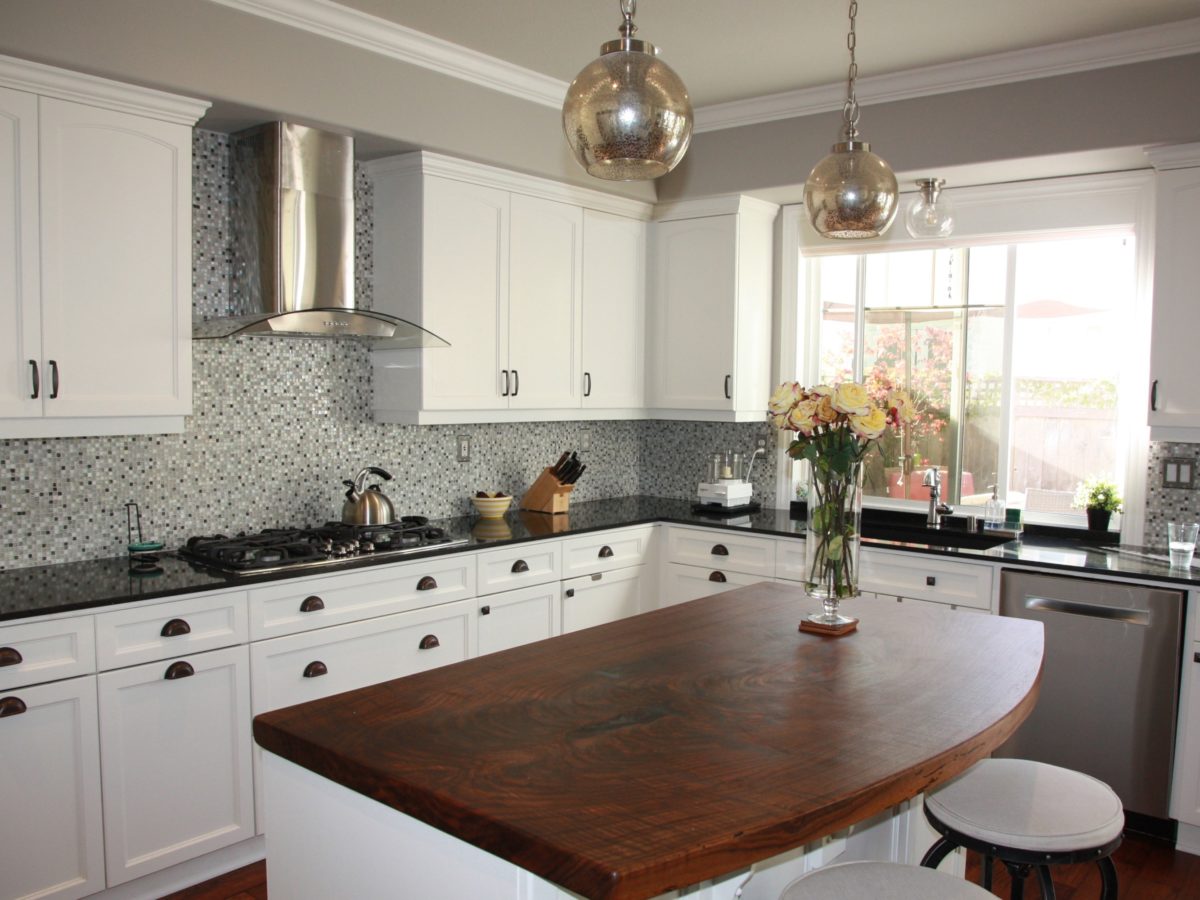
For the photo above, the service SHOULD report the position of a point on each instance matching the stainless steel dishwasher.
(1110, 682)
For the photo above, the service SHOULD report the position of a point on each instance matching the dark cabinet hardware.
(718, 577)
(429, 642)
(485, 610)
(728, 387)
(520, 566)
(930, 580)
(53, 379)
(175, 628)
(504, 372)
(10, 656)
(1154, 396)
(605, 552)
(569, 592)
(587, 384)
(1196, 657)
(312, 603)
(428, 583)
(720, 550)
(516, 382)
(178, 670)
(11, 706)
(37, 380)
(316, 669)
(598, 576)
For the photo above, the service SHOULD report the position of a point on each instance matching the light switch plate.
(1179, 472)
(585, 440)
(464, 447)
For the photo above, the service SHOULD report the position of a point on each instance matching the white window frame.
(997, 213)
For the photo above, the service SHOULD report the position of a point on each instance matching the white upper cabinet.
(496, 264)
(709, 341)
(614, 288)
(95, 250)
(1175, 390)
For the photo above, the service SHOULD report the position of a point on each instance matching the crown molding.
(1174, 156)
(1121, 48)
(376, 35)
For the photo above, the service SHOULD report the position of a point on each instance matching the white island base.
(324, 840)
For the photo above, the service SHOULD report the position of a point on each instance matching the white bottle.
(993, 511)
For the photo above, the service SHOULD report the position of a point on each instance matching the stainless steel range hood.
(292, 226)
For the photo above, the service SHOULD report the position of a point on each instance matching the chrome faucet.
(937, 509)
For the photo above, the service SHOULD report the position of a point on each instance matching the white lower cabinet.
(917, 576)
(512, 618)
(602, 597)
(175, 760)
(51, 833)
(1185, 782)
(683, 583)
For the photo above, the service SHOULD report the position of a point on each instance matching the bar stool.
(1030, 816)
(881, 881)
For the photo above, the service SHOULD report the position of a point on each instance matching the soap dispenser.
(993, 511)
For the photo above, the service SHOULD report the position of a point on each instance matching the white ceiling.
(728, 51)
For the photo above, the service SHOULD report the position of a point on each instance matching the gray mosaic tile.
(1164, 504)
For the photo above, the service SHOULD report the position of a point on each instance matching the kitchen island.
(638, 757)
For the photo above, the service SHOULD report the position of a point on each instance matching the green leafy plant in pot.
(1099, 499)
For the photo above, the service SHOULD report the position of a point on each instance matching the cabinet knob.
(485, 610)
(429, 642)
(720, 550)
(569, 592)
(605, 552)
(312, 604)
(520, 566)
(175, 628)
(930, 580)
(10, 656)
(717, 576)
(178, 670)
(316, 669)
(11, 706)
(1196, 657)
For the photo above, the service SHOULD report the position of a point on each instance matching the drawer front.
(319, 601)
(605, 551)
(132, 636)
(723, 550)
(601, 598)
(926, 578)
(315, 664)
(789, 559)
(682, 583)
(46, 651)
(518, 617)
(539, 562)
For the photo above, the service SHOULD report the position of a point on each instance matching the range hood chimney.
(293, 243)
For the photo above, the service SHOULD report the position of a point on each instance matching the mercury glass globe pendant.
(851, 193)
(627, 116)
(930, 215)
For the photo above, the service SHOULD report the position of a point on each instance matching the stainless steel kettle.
(367, 505)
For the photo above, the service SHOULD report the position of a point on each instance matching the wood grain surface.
(655, 752)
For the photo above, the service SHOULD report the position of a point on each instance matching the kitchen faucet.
(937, 509)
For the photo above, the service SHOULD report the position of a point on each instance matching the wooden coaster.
(828, 630)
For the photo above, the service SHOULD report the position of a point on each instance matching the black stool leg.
(985, 880)
(1047, 882)
(1108, 878)
(939, 851)
(1017, 874)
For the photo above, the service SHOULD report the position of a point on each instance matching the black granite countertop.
(67, 587)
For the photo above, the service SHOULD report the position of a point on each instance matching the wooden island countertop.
(668, 748)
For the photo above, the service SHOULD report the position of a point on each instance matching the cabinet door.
(51, 842)
(20, 300)
(116, 262)
(614, 278)
(513, 618)
(175, 760)
(545, 297)
(601, 598)
(693, 313)
(682, 583)
(464, 283)
(1185, 787)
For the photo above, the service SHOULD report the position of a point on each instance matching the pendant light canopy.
(627, 115)
(851, 193)
(930, 215)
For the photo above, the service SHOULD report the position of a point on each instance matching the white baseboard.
(1188, 839)
(186, 874)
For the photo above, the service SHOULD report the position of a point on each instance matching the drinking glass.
(1181, 542)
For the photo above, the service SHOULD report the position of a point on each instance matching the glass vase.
(832, 539)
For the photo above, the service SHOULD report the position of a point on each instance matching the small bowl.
(492, 507)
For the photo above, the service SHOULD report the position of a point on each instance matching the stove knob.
(366, 547)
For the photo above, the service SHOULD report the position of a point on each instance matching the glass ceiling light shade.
(930, 215)
(851, 193)
(627, 116)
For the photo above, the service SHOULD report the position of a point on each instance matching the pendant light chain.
(850, 108)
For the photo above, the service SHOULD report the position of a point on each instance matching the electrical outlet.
(762, 443)
(585, 440)
(1179, 472)
(464, 447)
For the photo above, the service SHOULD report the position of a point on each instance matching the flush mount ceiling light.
(627, 115)
(930, 215)
(851, 193)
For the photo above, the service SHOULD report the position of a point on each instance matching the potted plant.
(1099, 498)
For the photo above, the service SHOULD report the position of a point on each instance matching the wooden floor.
(1147, 869)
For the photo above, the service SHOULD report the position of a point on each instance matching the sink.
(937, 537)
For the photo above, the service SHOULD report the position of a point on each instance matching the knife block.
(547, 494)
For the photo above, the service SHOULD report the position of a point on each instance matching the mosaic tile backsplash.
(279, 423)
(1164, 504)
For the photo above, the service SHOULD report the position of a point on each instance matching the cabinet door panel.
(682, 583)
(51, 839)
(601, 598)
(116, 262)
(518, 617)
(614, 277)
(544, 303)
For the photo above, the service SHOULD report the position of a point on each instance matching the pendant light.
(930, 215)
(851, 193)
(627, 115)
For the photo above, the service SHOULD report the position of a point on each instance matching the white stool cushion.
(1026, 805)
(881, 881)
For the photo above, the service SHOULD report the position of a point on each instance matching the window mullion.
(1004, 459)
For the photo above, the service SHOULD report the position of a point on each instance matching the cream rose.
(902, 403)
(825, 411)
(851, 398)
(803, 416)
(821, 390)
(870, 426)
(784, 398)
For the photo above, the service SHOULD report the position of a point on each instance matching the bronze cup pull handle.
(605, 552)
(520, 566)
(178, 670)
(11, 706)
(10, 656)
(316, 669)
(718, 576)
(720, 550)
(429, 642)
(175, 628)
(428, 583)
(312, 603)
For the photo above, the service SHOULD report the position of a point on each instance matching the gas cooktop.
(277, 549)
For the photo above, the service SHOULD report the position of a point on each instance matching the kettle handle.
(375, 470)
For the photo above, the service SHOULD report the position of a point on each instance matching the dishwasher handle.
(1078, 608)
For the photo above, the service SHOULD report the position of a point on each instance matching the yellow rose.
(870, 426)
(825, 411)
(821, 390)
(784, 398)
(902, 403)
(851, 399)
(803, 416)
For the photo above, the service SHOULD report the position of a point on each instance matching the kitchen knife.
(557, 469)
(575, 475)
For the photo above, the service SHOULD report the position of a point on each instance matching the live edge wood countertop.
(664, 749)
